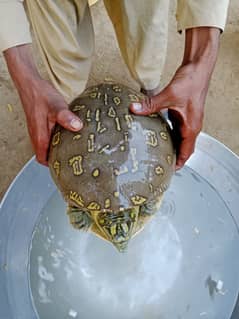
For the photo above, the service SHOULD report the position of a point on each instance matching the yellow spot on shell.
(169, 159)
(91, 143)
(111, 112)
(94, 206)
(117, 100)
(56, 139)
(117, 122)
(97, 115)
(122, 170)
(93, 95)
(56, 166)
(76, 137)
(76, 163)
(159, 170)
(151, 138)
(10, 108)
(100, 128)
(164, 135)
(78, 107)
(104, 148)
(138, 200)
(116, 88)
(107, 203)
(129, 120)
(116, 194)
(88, 117)
(96, 172)
(106, 99)
(122, 148)
(76, 198)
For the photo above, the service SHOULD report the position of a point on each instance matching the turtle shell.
(118, 160)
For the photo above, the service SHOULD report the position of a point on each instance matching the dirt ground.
(222, 106)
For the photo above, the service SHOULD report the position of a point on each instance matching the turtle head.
(118, 227)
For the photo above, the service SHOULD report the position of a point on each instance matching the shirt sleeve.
(203, 13)
(14, 26)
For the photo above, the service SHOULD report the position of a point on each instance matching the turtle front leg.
(151, 207)
(79, 219)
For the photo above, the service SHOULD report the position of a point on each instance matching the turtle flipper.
(146, 213)
(151, 207)
(79, 219)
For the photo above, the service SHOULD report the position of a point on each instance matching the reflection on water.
(77, 275)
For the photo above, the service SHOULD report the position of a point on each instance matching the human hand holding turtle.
(42, 104)
(185, 95)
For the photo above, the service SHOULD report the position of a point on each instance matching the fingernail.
(76, 124)
(137, 107)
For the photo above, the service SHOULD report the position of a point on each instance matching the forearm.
(42, 103)
(201, 49)
(21, 66)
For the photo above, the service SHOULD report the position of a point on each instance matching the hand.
(185, 95)
(44, 107)
(42, 104)
(184, 98)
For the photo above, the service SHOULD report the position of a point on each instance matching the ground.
(222, 105)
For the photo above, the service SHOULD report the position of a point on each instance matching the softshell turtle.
(113, 172)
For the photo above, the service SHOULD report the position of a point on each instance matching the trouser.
(64, 33)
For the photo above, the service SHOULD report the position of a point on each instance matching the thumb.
(69, 120)
(151, 105)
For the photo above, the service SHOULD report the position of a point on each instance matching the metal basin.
(185, 263)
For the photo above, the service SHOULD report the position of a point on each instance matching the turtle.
(114, 172)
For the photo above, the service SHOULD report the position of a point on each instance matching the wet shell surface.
(118, 160)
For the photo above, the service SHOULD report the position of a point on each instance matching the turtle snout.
(121, 246)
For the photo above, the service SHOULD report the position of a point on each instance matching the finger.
(69, 120)
(185, 150)
(153, 104)
(40, 145)
(51, 126)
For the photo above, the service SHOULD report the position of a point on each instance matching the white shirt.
(14, 26)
